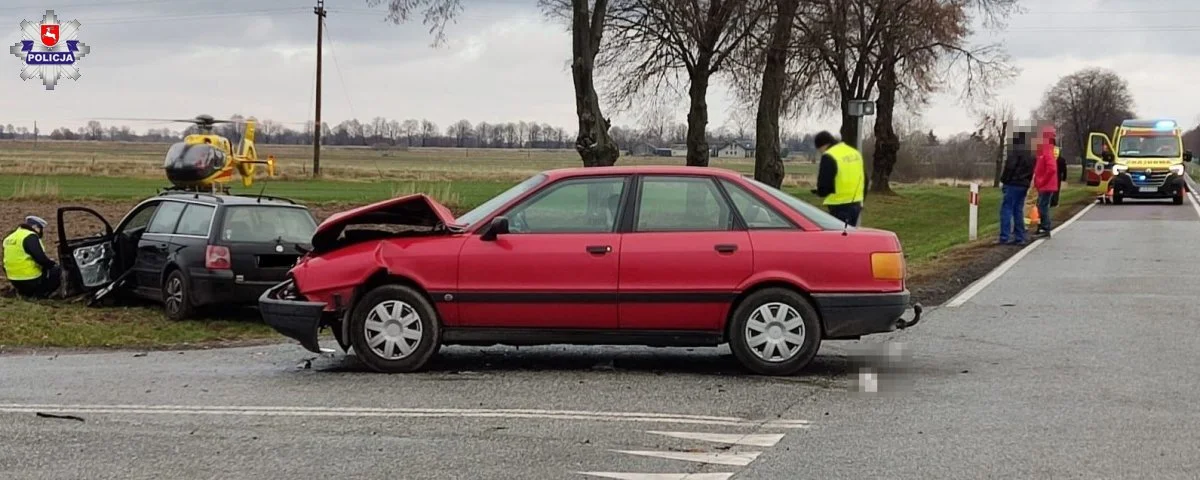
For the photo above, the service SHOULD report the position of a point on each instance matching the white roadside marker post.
(973, 222)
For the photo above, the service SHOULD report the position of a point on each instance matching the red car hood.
(416, 210)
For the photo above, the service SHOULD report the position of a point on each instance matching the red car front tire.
(394, 329)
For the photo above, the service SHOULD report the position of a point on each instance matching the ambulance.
(1142, 159)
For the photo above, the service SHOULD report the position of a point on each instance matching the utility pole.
(320, 11)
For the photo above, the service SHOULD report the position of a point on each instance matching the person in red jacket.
(1045, 178)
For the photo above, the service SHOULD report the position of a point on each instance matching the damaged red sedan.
(658, 256)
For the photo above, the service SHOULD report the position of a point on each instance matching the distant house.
(679, 150)
(662, 152)
(641, 150)
(736, 149)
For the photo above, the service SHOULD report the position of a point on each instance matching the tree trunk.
(887, 144)
(1000, 155)
(697, 131)
(595, 146)
(768, 166)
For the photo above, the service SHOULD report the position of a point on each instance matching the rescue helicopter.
(205, 161)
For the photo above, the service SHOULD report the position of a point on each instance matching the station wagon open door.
(86, 260)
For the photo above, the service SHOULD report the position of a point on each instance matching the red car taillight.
(216, 257)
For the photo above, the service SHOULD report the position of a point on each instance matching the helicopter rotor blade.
(192, 120)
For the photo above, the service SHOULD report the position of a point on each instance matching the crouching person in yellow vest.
(26, 265)
(841, 179)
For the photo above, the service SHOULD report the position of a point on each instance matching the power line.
(338, 68)
(159, 18)
(1104, 29)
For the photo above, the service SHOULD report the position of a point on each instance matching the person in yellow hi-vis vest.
(26, 265)
(841, 178)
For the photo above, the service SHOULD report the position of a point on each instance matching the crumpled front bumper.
(296, 319)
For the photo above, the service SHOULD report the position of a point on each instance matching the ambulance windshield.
(1143, 145)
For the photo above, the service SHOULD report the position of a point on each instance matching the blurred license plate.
(1148, 189)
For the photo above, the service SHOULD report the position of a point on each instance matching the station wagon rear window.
(267, 224)
(196, 220)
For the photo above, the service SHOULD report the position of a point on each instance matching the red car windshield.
(485, 209)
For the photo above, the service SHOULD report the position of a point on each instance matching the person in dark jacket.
(26, 265)
(1015, 180)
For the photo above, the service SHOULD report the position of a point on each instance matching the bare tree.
(902, 49)
(409, 129)
(436, 14)
(588, 20)
(994, 124)
(653, 42)
(460, 131)
(924, 44)
(1090, 100)
(768, 164)
(428, 129)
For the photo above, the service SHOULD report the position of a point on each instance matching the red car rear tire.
(775, 331)
(394, 329)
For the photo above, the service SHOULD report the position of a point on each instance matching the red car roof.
(643, 169)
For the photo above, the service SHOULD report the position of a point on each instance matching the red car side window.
(674, 204)
(754, 212)
(568, 208)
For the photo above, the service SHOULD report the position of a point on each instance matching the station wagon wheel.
(394, 329)
(176, 296)
(775, 332)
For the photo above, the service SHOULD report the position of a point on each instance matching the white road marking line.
(740, 459)
(659, 476)
(1003, 268)
(1195, 206)
(755, 440)
(404, 412)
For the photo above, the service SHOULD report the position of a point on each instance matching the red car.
(659, 256)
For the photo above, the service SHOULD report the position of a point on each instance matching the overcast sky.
(504, 62)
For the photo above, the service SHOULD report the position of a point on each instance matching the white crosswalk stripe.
(740, 459)
(726, 454)
(660, 476)
(754, 440)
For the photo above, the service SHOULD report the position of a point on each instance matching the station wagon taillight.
(217, 257)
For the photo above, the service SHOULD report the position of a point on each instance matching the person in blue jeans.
(1015, 180)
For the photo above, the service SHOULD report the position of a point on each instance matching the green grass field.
(144, 160)
(928, 218)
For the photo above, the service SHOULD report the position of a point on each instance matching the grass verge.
(29, 324)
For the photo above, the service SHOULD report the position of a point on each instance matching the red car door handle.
(599, 249)
(725, 247)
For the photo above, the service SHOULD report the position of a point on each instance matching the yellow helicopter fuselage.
(207, 161)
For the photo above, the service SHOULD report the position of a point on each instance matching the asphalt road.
(1078, 361)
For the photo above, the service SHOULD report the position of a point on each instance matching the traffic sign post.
(859, 108)
(973, 221)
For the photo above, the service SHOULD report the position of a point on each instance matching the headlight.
(1119, 169)
(1177, 169)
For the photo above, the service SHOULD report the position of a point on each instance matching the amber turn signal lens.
(887, 265)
